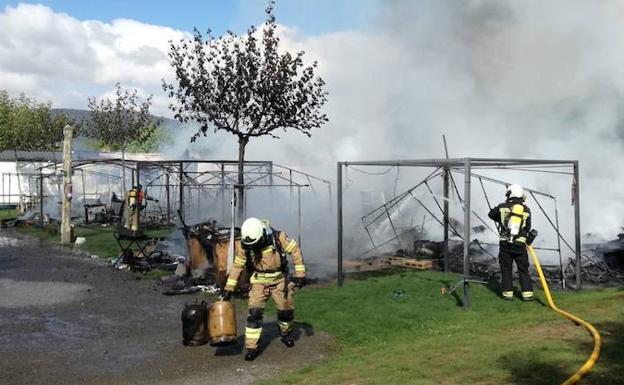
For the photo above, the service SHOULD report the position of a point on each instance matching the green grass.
(99, 240)
(426, 338)
(7, 213)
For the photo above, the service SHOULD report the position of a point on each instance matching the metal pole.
(84, 194)
(199, 201)
(181, 202)
(222, 191)
(299, 214)
(40, 198)
(123, 172)
(446, 219)
(138, 210)
(108, 182)
(339, 224)
(167, 198)
(466, 302)
(563, 278)
(577, 224)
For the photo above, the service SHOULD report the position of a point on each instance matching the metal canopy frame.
(465, 166)
(175, 174)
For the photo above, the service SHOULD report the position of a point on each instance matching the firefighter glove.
(226, 295)
(300, 282)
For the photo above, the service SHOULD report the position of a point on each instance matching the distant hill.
(84, 115)
(179, 133)
(170, 126)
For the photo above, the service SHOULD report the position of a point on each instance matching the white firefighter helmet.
(252, 231)
(515, 191)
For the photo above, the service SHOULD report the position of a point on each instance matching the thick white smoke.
(516, 79)
(527, 79)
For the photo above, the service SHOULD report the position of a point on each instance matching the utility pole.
(67, 185)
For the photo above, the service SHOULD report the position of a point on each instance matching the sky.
(528, 79)
(310, 16)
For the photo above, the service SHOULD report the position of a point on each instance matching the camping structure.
(466, 167)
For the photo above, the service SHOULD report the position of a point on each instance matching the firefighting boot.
(251, 354)
(527, 296)
(288, 341)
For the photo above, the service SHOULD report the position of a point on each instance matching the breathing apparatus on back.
(516, 195)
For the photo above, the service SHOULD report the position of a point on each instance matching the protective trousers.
(508, 253)
(258, 296)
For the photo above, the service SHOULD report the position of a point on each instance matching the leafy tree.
(27, 125)
(118, 124)
(154, 142)
(244, 85)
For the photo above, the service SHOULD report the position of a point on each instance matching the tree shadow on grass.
(609, 370)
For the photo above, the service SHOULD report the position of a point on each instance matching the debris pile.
(187, 284)
(604, 265)
(594, 270)
(154, 256)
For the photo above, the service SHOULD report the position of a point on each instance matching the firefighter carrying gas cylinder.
(262, 252)
(514, 223)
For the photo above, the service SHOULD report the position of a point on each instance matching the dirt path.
(71, 320)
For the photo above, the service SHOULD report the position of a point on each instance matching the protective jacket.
(267, 264)
(514, 223)
(269, 269)
(505, 214)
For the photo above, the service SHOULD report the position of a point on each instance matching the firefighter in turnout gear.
(262, 252)
(514, 223)
(132, 212)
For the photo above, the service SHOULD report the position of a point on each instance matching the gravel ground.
(66, 319)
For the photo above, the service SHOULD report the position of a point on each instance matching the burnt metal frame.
(263, 169)
(467, 165)
(384, 210)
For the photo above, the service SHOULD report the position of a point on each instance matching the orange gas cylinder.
(222, 323)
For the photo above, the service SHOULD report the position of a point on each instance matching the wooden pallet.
(356, 265)
(420, 264)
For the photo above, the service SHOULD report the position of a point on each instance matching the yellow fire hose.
(589, 364)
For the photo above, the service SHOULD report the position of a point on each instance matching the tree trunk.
(242, 142)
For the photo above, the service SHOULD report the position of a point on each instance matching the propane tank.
(515, 220)
(195, 324)
(222, 329)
